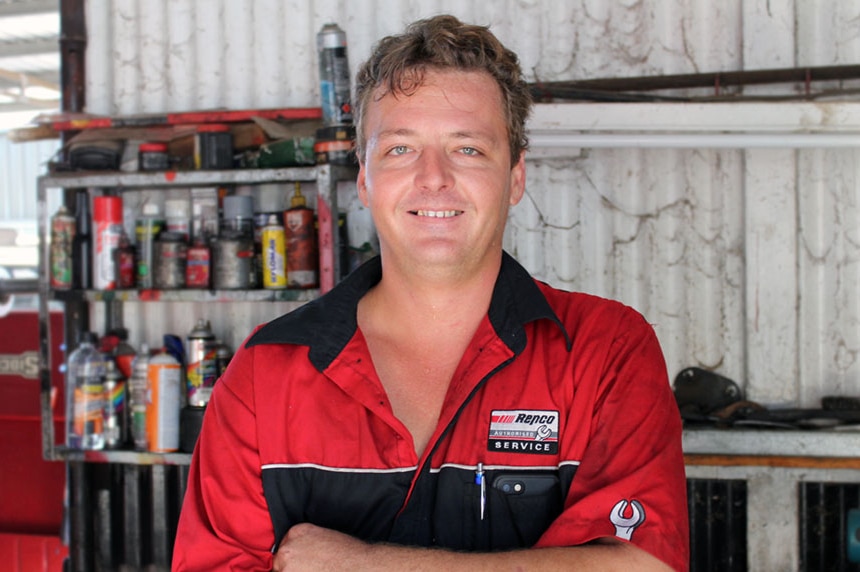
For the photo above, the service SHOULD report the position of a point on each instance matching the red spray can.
(107, 220)
(301, 243)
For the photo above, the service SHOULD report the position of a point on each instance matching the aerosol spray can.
(114, 404)
(334, 75)
(82, 248)
(233, 258)
(202, 364)
(223, 355)
(168, 261)
(301, 238)
(62, 235)
(198, 264)
(165, 402)
(138, 398)
(147, 227)
(107, 220)
(274, 265)
(125, 259)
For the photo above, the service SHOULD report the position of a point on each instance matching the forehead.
(471, 96)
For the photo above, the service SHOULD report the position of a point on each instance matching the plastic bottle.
(147, 227)
(301, 243)
(164, 404)
(85, 383)
(137, 398)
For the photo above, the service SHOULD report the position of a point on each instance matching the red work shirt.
(559, 427)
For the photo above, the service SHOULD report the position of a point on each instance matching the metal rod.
(723, 79)
(18, 286)
(132, 533)
(567, 139)
(73, 43)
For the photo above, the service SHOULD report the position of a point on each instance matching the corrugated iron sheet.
(745, 261)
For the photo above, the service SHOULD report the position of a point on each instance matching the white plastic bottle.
(137, 398)
(85, 397)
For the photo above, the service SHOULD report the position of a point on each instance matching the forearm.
(310, 547)
(607, 557)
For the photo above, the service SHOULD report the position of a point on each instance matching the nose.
(434, 171)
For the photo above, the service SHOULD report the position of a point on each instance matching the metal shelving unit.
(123, 505)
(325, 176)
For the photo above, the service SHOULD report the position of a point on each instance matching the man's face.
(436, 174)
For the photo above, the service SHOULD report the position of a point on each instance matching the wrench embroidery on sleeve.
(624, 526)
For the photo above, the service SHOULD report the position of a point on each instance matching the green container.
(293, 152)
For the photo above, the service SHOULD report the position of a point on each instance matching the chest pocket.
(518, 507)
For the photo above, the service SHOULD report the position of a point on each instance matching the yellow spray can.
(274, 255)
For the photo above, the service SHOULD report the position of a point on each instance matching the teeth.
(437, 214)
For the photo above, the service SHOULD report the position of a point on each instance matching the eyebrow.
(465, 134)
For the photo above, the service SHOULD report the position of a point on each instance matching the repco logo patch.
(524, 431)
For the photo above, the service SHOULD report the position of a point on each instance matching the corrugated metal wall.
(746, 261)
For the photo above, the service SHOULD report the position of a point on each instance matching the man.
(441, 409)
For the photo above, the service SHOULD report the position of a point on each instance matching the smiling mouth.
(437, 214)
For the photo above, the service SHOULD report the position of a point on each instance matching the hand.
(311, 547)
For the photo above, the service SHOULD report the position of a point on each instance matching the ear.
(518, 179)
(361, 183)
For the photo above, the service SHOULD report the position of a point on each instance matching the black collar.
(327, 324)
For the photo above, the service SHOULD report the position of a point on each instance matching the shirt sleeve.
(630, 483)
(224, 523)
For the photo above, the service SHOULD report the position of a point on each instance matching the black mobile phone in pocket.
(525, 484)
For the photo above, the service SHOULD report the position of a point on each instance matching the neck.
(430, 300)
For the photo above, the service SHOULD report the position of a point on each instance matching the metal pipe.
(18, 286)
(73, 44)
(567, 139)
(683, 81)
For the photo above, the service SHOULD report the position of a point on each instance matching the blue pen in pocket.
(481, 482)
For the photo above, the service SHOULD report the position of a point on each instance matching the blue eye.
(469, 151)
(399, 150)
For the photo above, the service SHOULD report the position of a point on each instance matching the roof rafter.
(30, 47)
(29, 7)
